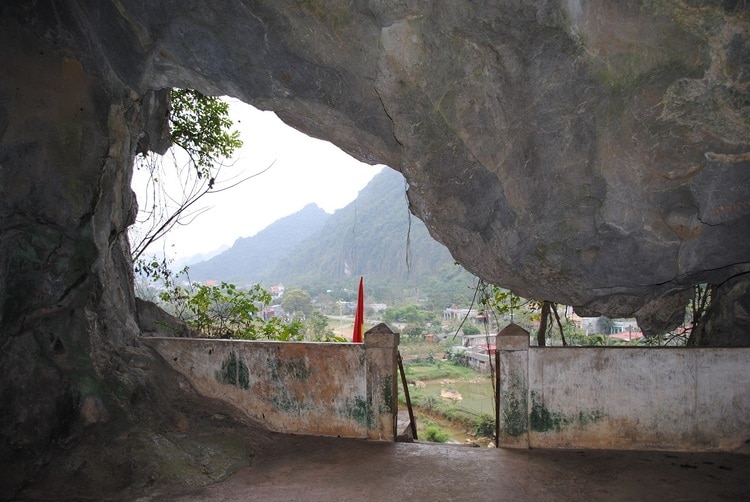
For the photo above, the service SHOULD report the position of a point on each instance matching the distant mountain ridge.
(374, 236)
(251, 258)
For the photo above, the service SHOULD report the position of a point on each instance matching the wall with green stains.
(302, 388)
(639, 398)
(680, 399)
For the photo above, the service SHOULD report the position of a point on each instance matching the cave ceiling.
(588, 152)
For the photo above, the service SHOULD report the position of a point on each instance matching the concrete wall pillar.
(513, 387)
(381, 345)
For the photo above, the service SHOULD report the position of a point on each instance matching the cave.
(592, 153)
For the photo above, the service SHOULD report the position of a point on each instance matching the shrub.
(222, 311)
(471, 329)
(436, 435)
(484, 425)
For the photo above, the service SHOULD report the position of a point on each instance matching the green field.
(451, 402)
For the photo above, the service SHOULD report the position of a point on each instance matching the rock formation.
(592, 153)
(589, 152)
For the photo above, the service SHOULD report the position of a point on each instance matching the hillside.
(375, 236)
(250, 258)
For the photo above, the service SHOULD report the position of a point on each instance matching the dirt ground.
(327, 469)
(232, 462)
(188, 450)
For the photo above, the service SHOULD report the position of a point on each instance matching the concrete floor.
(302, 468)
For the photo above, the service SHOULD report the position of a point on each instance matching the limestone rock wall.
(70, 358)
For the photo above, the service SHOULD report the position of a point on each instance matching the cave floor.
(328, 469)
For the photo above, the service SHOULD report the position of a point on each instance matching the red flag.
(359, 316)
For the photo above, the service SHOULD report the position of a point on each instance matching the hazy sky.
(304, 170)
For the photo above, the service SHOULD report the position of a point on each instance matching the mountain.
(179, 263)
(375, 236)
(250, 258)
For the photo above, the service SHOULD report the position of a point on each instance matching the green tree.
(297, 301)
(227, 312)
(471, 329)
(224, 311)
(409, 314)
(604, 325)
(317, 330)
(201, 128)
(200, 125)
(413, 331)
(506, 306)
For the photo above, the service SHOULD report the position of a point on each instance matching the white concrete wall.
(324, 389)
(639, 398)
